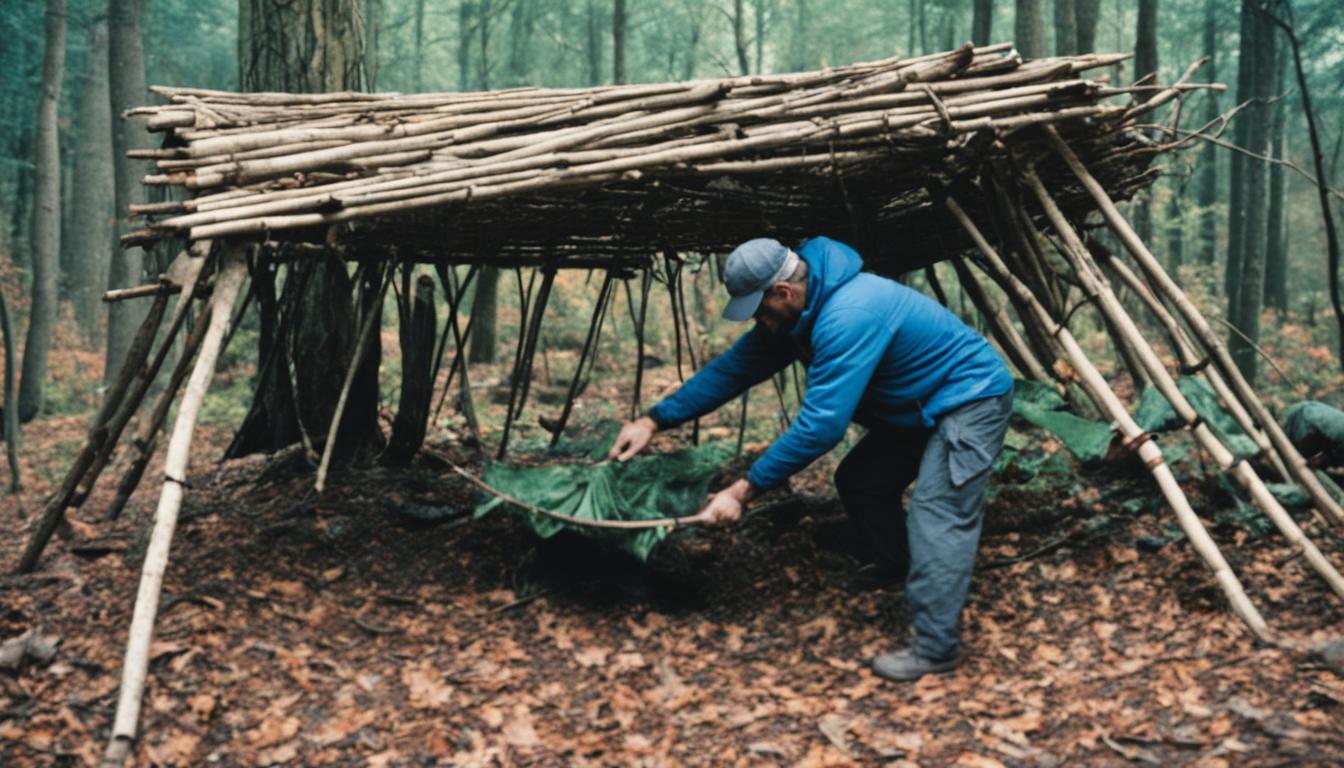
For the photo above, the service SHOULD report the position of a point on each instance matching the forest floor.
(334, 630)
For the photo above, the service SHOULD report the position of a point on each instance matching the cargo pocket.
(972, 434)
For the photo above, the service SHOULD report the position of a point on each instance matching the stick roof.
(613, 174)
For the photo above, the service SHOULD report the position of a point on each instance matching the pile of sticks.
(737, 155)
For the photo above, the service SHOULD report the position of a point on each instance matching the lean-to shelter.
(1008, 168)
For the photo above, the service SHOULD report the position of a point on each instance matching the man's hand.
(725, 507)
(634, 437)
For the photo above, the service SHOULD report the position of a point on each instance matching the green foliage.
(664, 485)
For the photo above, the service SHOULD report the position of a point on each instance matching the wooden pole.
(1297, 465)
(1240, 471)
(135, 667)
(146, 438)
(1136, 439)
(54, 512)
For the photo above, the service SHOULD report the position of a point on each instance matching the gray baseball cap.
(751, 269)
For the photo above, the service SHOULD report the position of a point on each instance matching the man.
(933, 394)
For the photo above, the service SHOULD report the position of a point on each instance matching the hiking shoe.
(905, 665)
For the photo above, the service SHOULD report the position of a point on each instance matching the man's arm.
(754, 358)
(849, 345)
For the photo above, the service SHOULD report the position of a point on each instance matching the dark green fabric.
(671, 484)
(1041, 405)
(1155, 414)
(1314, 428)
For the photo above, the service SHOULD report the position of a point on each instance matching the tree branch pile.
(618, 172)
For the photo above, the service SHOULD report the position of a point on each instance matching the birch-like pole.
(1109, 304)
(1141, 442)
(1297, 465)
(135, 667)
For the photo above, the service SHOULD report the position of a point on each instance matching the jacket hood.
(830, 264)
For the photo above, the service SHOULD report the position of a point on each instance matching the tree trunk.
(618, 41)
(1276, 256)
(418, 62)
(1087, 13)
(1145, 44)
(483, 30)
(982, 21)
(760, 36)
(1252, 274)
(417, 369)
(466, 11)
(520, 43)
(126, 89)
(483, 305)
(740, 38)
(1029, 30)
(594, 46)
(798, 44)
(1208, 161)
(1236, 185)
(310, 46)
(1145, 65)
(91, 237)
(46, 232)
(1175, 231)
(1066, 27)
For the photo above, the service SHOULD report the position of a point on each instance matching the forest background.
(1242, 215)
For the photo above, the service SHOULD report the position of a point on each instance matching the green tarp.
(1041, 405)
(671, 484)
(1316, 428)
(1155, 414)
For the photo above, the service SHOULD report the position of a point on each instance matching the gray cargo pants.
(934, 543)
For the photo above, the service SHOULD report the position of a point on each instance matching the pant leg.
(946, 513)
(871, 480)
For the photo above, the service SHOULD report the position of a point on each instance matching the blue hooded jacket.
(876, 352)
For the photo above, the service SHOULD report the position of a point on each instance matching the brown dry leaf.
(175, 749)
(977, 760)
(289, 589)
(426, 688)
(1048, 654)
(592, 657)
(202, 704)
(519, 730)
(822, 626)
(626, 662)
(835, 727)
(274, 730)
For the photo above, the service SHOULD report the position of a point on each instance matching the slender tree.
(418, 54)
(1208, 165)
(1245, 315)
(1088, 13)
(1029, 29)
(1145, 65)
(593, 49)
(1066, 27)
(126, 89)
(1282, 18)
(91, 237)
(618, 30)
(1236, 186)
(46, 231)
(1276, 256)
(982, 21)
(762, 15)
(740, 44)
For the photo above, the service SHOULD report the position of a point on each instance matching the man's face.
(780, 308)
